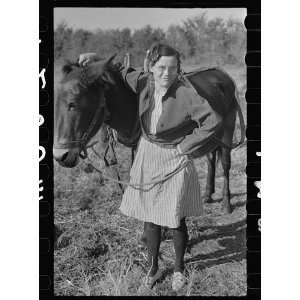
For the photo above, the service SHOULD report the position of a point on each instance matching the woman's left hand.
(86, 58)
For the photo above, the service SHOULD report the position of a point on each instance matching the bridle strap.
(92, 125)
(82, 143)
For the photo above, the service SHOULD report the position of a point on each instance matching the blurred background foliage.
(199, 40)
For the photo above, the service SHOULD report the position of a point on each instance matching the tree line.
(199, 40)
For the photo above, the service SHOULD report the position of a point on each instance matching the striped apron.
(168, 202)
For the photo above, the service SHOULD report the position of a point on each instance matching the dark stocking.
(180, 237)
(153, 234)
(144, 237)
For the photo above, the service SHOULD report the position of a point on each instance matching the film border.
(252, 23)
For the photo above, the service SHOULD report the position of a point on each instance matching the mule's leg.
(226, 164)
(210, 179)
(229, 125)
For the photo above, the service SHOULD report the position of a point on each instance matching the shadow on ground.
(231, 242)
(231, 239)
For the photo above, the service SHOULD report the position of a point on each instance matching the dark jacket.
(187, 119)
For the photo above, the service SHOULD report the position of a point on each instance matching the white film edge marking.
(41, 121)
(41, 188)
(42, 76)
(258, 183)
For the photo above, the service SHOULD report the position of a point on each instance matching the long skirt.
(167, 202)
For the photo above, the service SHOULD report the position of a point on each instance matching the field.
(97, 250)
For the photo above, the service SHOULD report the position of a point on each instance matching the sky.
(135, 18)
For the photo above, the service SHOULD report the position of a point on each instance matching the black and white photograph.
(150, 151)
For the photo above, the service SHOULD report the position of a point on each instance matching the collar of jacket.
(151, 90)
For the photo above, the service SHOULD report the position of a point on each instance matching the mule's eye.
(71, 106)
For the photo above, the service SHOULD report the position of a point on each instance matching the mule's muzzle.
(67, 158)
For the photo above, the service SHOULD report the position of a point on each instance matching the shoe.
(178, 281)
(145, 288)
(149, 281)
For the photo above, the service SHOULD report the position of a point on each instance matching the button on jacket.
(187, 120)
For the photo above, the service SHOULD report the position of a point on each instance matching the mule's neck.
(122, 105)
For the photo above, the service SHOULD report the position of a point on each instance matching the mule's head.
(79, 109)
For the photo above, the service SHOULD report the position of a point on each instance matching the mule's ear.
(110, 59)
(106, 77)
(66, 69)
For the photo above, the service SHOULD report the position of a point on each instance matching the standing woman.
(177, 125)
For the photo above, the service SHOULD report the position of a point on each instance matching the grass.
(97, 249)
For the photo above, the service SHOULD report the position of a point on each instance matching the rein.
(137, 186)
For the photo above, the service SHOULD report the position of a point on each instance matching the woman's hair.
(158, 50)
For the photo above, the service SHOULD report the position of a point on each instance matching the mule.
(90, 96)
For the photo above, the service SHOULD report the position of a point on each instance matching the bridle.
(81, 144)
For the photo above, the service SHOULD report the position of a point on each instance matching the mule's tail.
(242, 120)
(243, 130)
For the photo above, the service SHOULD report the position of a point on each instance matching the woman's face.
(165, 71)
